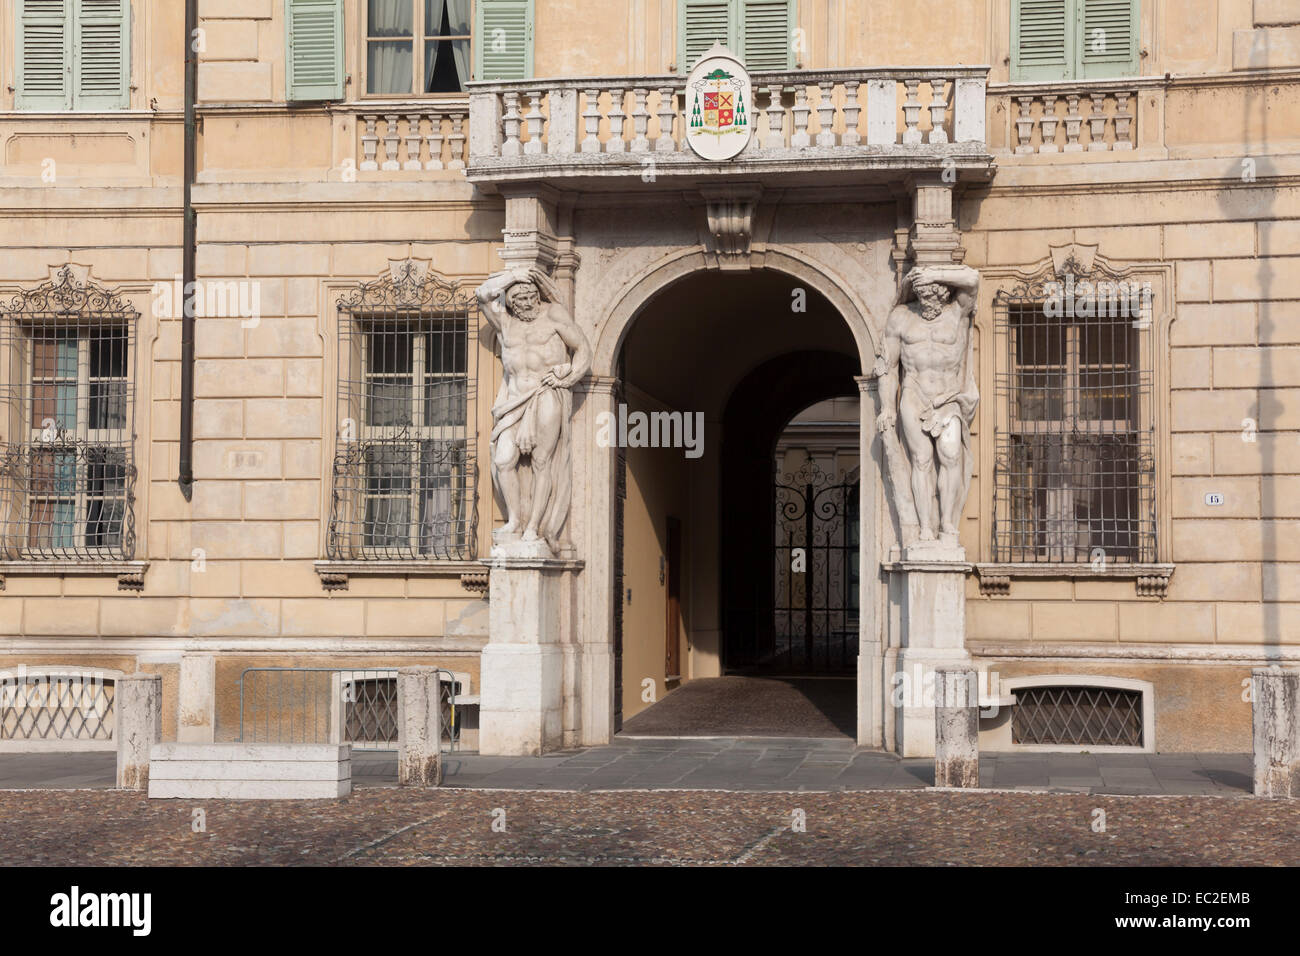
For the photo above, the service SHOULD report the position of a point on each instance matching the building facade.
(1120, 173)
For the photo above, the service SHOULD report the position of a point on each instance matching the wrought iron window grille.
(1074, 460)
(405, 472)
(55, 706)
(1078, 716)
(67, 436)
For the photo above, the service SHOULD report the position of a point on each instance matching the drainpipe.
(188, 289)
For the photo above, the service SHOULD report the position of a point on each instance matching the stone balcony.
(812, 126)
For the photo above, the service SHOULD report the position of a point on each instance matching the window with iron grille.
(405, 472)
(67, 474)
(1074, 456)
(1078, 716)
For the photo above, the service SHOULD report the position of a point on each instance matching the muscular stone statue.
(930, 345)
(543, 355)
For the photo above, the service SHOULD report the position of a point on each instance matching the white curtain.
(388, 64)
(460, 26)
(391, 18)
(458, 17)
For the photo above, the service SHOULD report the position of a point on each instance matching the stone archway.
(755, 416)
(595, 528)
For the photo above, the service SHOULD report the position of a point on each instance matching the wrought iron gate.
(815, 562)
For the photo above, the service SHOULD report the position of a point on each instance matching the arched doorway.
(733, 357)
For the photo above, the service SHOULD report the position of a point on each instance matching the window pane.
(108, 354)
(391, 18)
(104, 523)
(388, 523)
(442, 497)
(106, 471)
(388, 470)
(108, 405)
(52, 526)
(452, 21)
(388, 66)
(1040, 366)
(446, 65)
(389, 393)
(391, 352)
(53, 473)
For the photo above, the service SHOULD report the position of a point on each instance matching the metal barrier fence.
(304, 705)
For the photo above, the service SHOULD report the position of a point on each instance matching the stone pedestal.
(956, 728)
(137, 702)
(1275, 709)
(419, 727)
(930, 591)
(196, 707)
(530, 621)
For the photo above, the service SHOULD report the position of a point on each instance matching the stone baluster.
(435, 141)
(1123, 122)
(775, 138)
(391, 140)
(1024, 126)
(1049, 123)
(591, 122)
(457, 142)
(800, 138)
(1073, 121)
(851, 111)
(1097, 124)
(413, 139)
(667, 112)
(369, 143)
(912, 112)
(938, 109)
(534, 119)
(826, 114)
(640, 120)
(511, 146)
(616, 143)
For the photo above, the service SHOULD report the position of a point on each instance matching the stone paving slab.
(395, 827)
(739, 764)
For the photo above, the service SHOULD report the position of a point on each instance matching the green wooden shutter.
(1042, 39)
(44, 55)
(700, 24)
(767, 34)
(1107, 38)
(503, 39)
(313, 50)
(101, 37)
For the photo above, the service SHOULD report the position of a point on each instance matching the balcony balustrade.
(885, 118)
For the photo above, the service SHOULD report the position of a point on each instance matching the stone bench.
(242, 771)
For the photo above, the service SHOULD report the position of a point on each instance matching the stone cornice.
(1044, 650)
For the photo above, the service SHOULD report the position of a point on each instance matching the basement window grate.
(1078, 716)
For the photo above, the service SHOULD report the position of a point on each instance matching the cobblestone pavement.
(391, 826)
(748, 764)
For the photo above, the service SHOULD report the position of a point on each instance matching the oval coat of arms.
(718, 124)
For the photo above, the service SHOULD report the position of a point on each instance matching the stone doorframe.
(592, 518)
(540, 231)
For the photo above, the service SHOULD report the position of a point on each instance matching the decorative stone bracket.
(1152, 580)
(730, 213)
(129, 574)
(334, 575)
